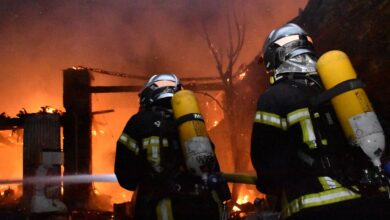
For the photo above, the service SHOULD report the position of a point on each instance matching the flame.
(62, 183)
(242, 215)
(215, 123)
(97, 132)
(242, 76)
(78, 67)
(96, 191)
(242, 199)
(49, 110)
(15, 188)
(11, 164)
(236, 209)
(247, 194)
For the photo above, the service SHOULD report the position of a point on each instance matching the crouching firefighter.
(150, 160)
(298, 148)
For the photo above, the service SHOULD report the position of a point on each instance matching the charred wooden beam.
(77, 124)
(204, 86)
(103, 111)
(110, 89)
(10, 123)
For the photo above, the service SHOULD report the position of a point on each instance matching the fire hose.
(88, 178)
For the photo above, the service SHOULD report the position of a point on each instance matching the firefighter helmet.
(284, 43)
(159, 86)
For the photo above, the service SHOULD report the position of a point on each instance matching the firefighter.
(149, 160)
(298, 148)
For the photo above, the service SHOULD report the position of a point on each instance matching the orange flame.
(236, 209)
(242, 199)
(242, 76)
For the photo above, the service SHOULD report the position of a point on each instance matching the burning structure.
(42, 156)
(49, 165)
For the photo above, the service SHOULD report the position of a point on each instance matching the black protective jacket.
(300, 154)
(149, 160)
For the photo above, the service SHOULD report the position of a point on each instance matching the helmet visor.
(285, 40)
(164, 83)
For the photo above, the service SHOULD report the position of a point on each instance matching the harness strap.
(337, 90)
(189, 117)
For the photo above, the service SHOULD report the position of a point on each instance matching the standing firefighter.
(150, 160)
(298, 148)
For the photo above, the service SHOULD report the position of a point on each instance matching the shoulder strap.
(337, 90)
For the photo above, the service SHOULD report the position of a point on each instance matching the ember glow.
(49, 109)
(236, 209)
(243, 198)
(242, 76)
(248, 193)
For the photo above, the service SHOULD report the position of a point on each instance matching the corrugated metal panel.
(41, 131)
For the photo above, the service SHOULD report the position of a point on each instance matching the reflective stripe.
(154, 140)
(152, 146)
(318, 199)
(164, 210)
(303, 117)
(165, 142)
(309, 137)
(145, 143)
(328, 183)
(129, 142)
(271, 119)
(155, 152)
(298, 115)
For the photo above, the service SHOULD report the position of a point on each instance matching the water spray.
(109, 178)
(67, 179)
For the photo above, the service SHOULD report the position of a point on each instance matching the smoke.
(40, 38)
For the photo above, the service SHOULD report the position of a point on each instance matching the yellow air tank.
(196, 146)
(353, 109)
